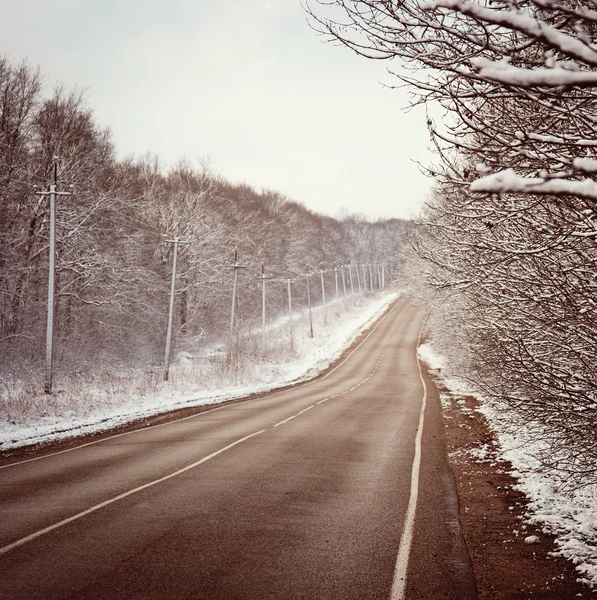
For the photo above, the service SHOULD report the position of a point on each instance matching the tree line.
(113, 261)
(509, 236)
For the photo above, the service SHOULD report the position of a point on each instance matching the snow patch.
(571, 516)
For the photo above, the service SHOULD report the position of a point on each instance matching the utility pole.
(358, 278)
(336, 278)
(325, 306)
(351, 282)
(343, 281)
(383, 277)
(290, 315)
(51, 309)
(370, 279)
(309, 302)
(236, 267)
(263, 277)
(176, 241)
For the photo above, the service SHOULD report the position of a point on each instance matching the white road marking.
(401, 568)
(335, 395)
(112, 437)
(359, 344)
(88, 511)
(285, 420)
(196, 415)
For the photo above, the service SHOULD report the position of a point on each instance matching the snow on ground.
(336, 328)
(569, 515)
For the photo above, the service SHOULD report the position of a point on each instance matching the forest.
(115, 220)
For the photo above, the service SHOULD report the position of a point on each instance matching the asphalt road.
(305, 493)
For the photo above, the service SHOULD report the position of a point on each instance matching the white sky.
(246, 84)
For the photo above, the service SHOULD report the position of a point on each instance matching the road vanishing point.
(338, 488)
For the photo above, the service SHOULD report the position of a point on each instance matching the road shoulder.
(511, 559)
(440, 567)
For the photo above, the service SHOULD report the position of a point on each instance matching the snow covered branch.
(508, 181)
(523, 23)
(560, 75)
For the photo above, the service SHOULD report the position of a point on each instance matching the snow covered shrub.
(512, 230)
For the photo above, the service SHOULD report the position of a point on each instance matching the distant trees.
(510, 235)
(113, 261)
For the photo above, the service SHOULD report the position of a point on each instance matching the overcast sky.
(245, 84)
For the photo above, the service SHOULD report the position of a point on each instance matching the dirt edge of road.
(491, 510)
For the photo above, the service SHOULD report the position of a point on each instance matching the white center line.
(83, 513)
(113, 437)
(285, 421)
(328, 398)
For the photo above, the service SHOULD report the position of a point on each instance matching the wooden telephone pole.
(51, 309)
(176, 241)
(309, 302)
(263, 277)
(236, 267)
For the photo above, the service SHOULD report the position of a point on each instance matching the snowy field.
(104, 403)
(569, 513)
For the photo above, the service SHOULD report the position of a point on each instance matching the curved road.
(305, 493)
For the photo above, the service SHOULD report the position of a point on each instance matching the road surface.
(334, 489)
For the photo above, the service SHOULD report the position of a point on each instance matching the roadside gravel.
(511, 559)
